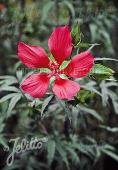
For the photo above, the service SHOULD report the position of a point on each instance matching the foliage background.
(90, 141)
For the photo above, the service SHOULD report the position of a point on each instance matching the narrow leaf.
(13, 102)
(7, 97)
(51, 151)
(46, 103)
(100, 69)
(111, 154)
(92, 112)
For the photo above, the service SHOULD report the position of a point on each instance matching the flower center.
(54, 66)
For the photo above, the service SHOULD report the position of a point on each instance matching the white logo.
(21, 146)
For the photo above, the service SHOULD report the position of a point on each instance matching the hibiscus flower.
(60, 45)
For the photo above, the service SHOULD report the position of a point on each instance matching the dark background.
(32, 21)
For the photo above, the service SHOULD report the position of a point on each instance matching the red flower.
(60, 45)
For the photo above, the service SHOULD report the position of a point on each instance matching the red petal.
(60, 43)
(80, 65)
(33, 56)
(36, 85)
(65, 89)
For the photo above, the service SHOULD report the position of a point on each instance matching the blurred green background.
(90, 142)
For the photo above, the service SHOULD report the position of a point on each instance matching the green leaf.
(13, 102)
(46, 103)
(101, 72)
(7, 97)
(8, 80)
(3, 140)
(7, 77)
(113, 130)
(83, 95)
(70, 7)
(108, 147)
(93, 31)
(45, 11)
(115, 104)
(74, 155)
(100, 69)
(19, 75)
(91, 86)
(65, 107)
(84, 149)
(76, 34)
(110, 153)
(9, 88)
(62, 153)
(51, 151)
(2, 124)
(107, 59)
(92, 112)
